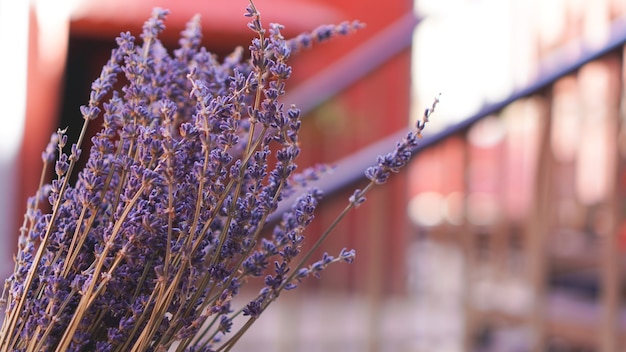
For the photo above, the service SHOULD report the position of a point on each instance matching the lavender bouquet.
(166, 221)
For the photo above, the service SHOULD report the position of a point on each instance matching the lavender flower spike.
(166, 222)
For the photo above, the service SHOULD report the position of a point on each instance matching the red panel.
(222, 21)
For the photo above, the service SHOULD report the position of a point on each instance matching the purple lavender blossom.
(165, 222)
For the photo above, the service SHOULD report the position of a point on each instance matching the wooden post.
(608, 224)
(471, 320)
(538, 227)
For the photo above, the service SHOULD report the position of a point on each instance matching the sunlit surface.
(464, 50)
(13, 39)
(13, 64)
(53, 28)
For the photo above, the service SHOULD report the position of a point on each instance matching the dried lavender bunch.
(163, 225)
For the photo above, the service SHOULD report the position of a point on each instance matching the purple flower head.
(323, 33)
(166, 221)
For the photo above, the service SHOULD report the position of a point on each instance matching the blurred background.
(506, 233)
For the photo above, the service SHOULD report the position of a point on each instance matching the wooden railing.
(565, 242)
